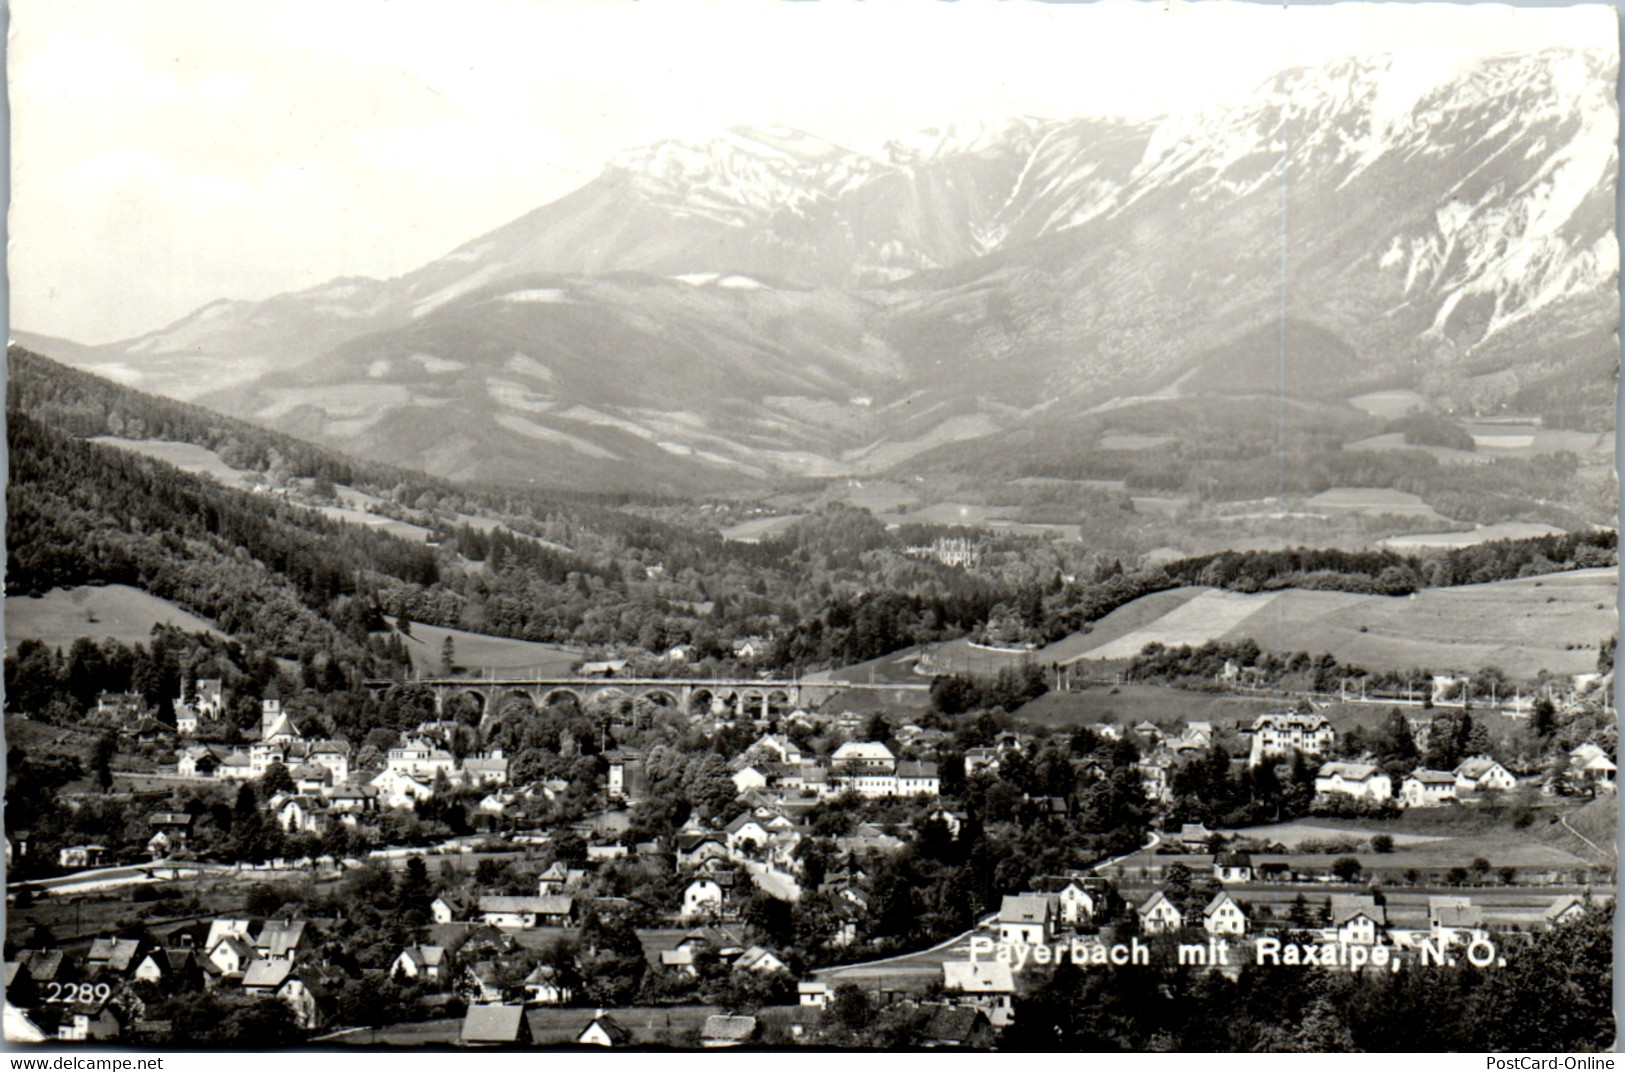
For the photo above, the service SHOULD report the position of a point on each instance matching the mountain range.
(769, 305)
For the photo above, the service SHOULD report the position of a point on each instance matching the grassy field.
(478, 652)
(760, 528)
(943, 513)
(1373, 501)
(1209, 615)
(63, 615)
(1128, 705)
(875, 496)
(187, 457)
(1396, 441)
(1506, 530)
(1391, 404)
(1522, 626)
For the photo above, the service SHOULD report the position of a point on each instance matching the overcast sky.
(170, 152)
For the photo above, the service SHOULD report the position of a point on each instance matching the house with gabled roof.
(231, 954)
(1159, 915)
(1026, 918)
(722, 1031)
(310, 778)
(1280, 736)
(1423, 788)
(1357, 919)
(352, 799)
(525, 913)
(746, 828)
(264, 977)
(603, 1030)
(1455, 919)
(400, 789)
(1075, 903)
(694, 849)
(1592, 766)
(333, 756)
(987, 985)
(283, 939)
(487, 770)
(47, 966)
(1565, 909)
(481, 982)
(451, 906)
(198, 761)
(702, 897)
(1233, 867)
(426, 962)
(553, 880)
(495, 1025)
(956, 1028)
(1477, 774)
(113, 957)
(1224, 916)
(918, 778)
(758, 959)
(542, 987)
(1356, 781)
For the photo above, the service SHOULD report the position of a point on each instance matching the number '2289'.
(74, 993)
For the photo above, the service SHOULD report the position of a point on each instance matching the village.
(412, 890)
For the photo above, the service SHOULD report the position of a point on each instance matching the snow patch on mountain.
(532, 430)
(524, 365)
(473, 281)
(539, 296)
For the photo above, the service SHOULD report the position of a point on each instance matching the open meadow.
(1523, 626)
(478, 652)
(126, 614)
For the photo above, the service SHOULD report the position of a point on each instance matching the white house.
(421, 759)
(1591, 765)
(399, 789)
(1357, 781)
(746, 829)
(604, 1031)
(1027, 918)
(701, 898)
(1455, 920)
(1357, 919)
(542, 987)
(1565, 909)
(1233, 867)
(1160, 916)
(334, 755)
(758, 959)
(748, 778)
(866, 766)
(489, 769)
(425, 962)
(983, 984)
(1425, 788)
(918, 778)
(231, 954)
(525, 913)
(782, 747)
(1075, 903)
(1278, 736)
(1223, 916)
(450, 907)
(1480, 773)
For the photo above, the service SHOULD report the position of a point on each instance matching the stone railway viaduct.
(742, 696)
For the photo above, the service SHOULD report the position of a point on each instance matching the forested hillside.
(835, 587)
